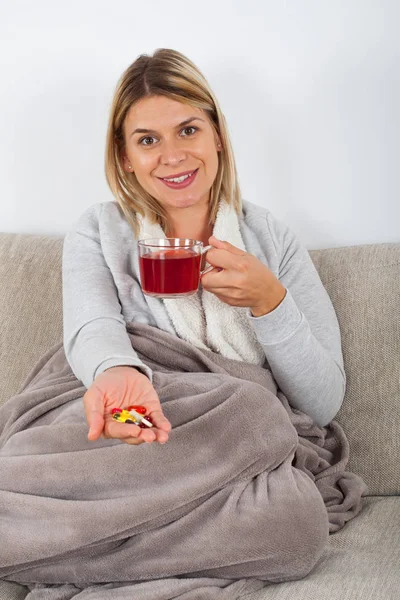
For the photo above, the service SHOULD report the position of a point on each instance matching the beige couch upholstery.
(363, 560)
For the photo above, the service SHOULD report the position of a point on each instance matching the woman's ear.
(217, 141)
(126, 164)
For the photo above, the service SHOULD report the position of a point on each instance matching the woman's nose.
(172, 152)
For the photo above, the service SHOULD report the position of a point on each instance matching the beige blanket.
(241, 496)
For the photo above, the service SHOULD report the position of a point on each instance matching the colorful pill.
(140, 409)
(142, 425)
(124, 417)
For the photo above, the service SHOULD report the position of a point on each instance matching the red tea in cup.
(170, 267)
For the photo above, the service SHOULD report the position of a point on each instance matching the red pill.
(140, 409)
(143, 426)
(116, 410)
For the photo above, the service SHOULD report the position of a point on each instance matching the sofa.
(361, 561)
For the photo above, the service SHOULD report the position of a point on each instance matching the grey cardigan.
(101, 293)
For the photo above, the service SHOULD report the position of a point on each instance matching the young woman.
(170, 166)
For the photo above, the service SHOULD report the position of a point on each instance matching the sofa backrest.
(362, 281)
(30, 304)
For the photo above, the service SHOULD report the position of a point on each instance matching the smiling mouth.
(178, 179)
(180, 182)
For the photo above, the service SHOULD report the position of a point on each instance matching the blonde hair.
(168, 73)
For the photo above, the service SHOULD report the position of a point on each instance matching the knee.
(296, 526)
(307, 529)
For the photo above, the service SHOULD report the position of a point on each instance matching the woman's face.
(174, 138)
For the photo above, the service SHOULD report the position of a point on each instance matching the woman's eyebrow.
(185, 122)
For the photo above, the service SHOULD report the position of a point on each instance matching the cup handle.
(204, 271)
(210, 268)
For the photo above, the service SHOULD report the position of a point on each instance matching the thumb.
(222, 245)
(94, 409)
(96, 426)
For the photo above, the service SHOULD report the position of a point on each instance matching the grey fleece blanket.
(242, 495)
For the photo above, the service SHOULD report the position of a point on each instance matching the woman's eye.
(144, 139)
(188, 129)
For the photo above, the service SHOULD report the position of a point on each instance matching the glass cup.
(171, 267)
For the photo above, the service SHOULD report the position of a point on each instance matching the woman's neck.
(190, 224)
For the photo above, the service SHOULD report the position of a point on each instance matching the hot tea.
(170, 272)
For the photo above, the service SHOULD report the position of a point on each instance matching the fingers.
(139, 440)
(226, 246)
(223, 258)
(122, 431)
(160, 420)
(94, 411)
(151, 402)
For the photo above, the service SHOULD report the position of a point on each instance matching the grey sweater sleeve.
(301, 337)
(91, 308)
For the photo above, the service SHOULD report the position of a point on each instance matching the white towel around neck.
(202, 318)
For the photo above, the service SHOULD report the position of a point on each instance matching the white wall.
(310, 90)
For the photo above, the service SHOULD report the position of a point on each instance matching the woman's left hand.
(240, 279)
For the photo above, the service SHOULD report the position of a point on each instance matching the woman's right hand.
(121, 387)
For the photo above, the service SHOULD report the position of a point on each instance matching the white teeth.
(179, 179)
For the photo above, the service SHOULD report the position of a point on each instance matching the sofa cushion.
(12, 591)
(361, 562)
(363, 283)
